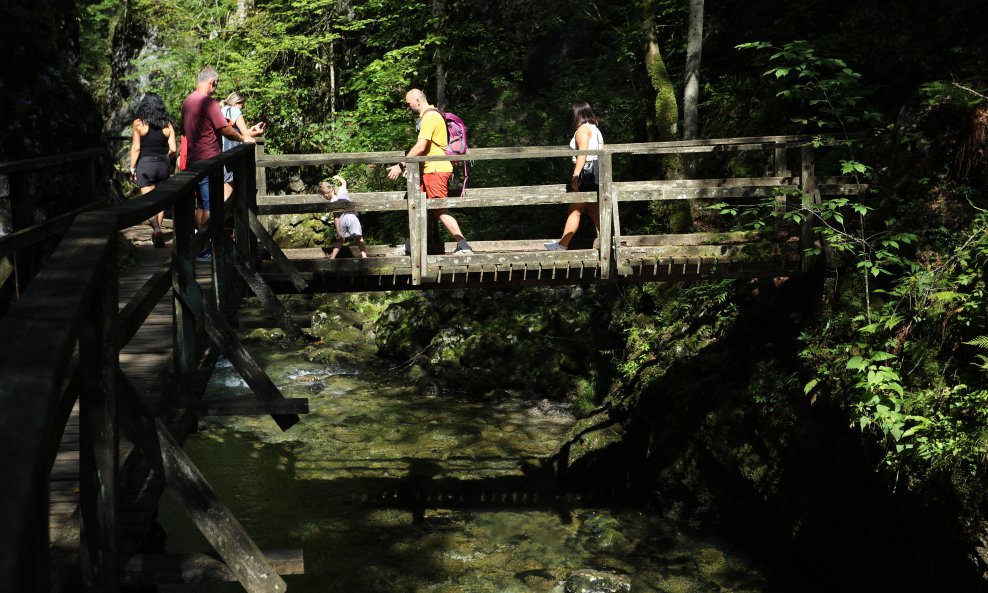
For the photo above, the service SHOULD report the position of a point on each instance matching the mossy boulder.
(545, 341)
(302, 231)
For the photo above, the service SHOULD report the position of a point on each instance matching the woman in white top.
(232, 110)
(586, 172)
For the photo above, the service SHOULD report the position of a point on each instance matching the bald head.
(416, 101)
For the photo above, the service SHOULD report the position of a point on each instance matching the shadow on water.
(388, 524)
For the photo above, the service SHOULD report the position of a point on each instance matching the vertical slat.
(807, 183)
(250, 200)
(217, 233)
(20, 218)
(416, 240)
(260, 175)
(781, 170)
(89, 173)
(99, 437)
(241, 227)
(604, 199)
(187, 316)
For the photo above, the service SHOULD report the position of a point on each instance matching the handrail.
(48, 161)
(27, 234)
(518, 152)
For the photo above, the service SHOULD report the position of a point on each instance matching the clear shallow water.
(389, 490)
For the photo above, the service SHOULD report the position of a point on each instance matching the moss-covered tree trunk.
(666, 120)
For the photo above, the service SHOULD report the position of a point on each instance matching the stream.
(389, 487)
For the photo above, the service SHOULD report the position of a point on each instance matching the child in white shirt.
(347, 224)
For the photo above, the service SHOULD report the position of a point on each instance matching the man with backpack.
(432, 141)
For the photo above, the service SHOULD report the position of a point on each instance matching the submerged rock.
(596, 581)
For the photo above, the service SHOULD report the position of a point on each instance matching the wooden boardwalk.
(143, 360)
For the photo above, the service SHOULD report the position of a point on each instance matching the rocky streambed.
(403, 479)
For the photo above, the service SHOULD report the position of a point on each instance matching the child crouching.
(347, 224)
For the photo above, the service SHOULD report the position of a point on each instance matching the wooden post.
(217, 233)
(21, 218)
(100, 438)
(260, 177)
(807, 184)
(416, 230)
(89, 175)
(241, 227)
(188, 316)
(604, 200)
(781, 170)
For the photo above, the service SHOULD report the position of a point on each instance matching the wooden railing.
(21, 252)
(61, 340)
(617, 255)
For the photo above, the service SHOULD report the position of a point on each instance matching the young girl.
(347, 223)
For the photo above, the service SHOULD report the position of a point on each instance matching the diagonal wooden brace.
(226, 340)
(261, 289)
(279, 256)
(218, 525)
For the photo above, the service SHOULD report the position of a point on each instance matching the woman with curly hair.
(151, 150)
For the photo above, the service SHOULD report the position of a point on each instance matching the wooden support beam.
(605, 192)
(416, 230)
(226, 340)
(277, 254)
(261, 289)
(100, 438)
(198, 568)
(215, 521)
(240, 407)
(218, 525)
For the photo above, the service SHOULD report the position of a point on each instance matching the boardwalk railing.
(61, 340)
(616, 255)
(20, 253)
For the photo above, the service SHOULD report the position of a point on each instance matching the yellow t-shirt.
(433, 128)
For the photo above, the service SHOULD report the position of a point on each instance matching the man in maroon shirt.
(202, 124)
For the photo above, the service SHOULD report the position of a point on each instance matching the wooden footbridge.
(104, 367)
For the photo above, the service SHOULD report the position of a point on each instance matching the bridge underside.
(526, 263)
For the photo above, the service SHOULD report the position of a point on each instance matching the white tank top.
(596, 141)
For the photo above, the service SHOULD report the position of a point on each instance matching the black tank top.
(154, 143)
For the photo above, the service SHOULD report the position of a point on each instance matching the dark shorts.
(152, 170)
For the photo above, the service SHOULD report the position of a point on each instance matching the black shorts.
(152, 170)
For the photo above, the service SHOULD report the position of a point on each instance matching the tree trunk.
(691, 92)
(438, 12)
(676, 214)
(243, 6)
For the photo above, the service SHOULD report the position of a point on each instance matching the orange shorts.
(436, 185)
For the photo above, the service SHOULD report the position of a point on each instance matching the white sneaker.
(462, 247)
(554, 246)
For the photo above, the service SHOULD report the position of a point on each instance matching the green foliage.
(926, 413)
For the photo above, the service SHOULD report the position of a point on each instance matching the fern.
(980, 342)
